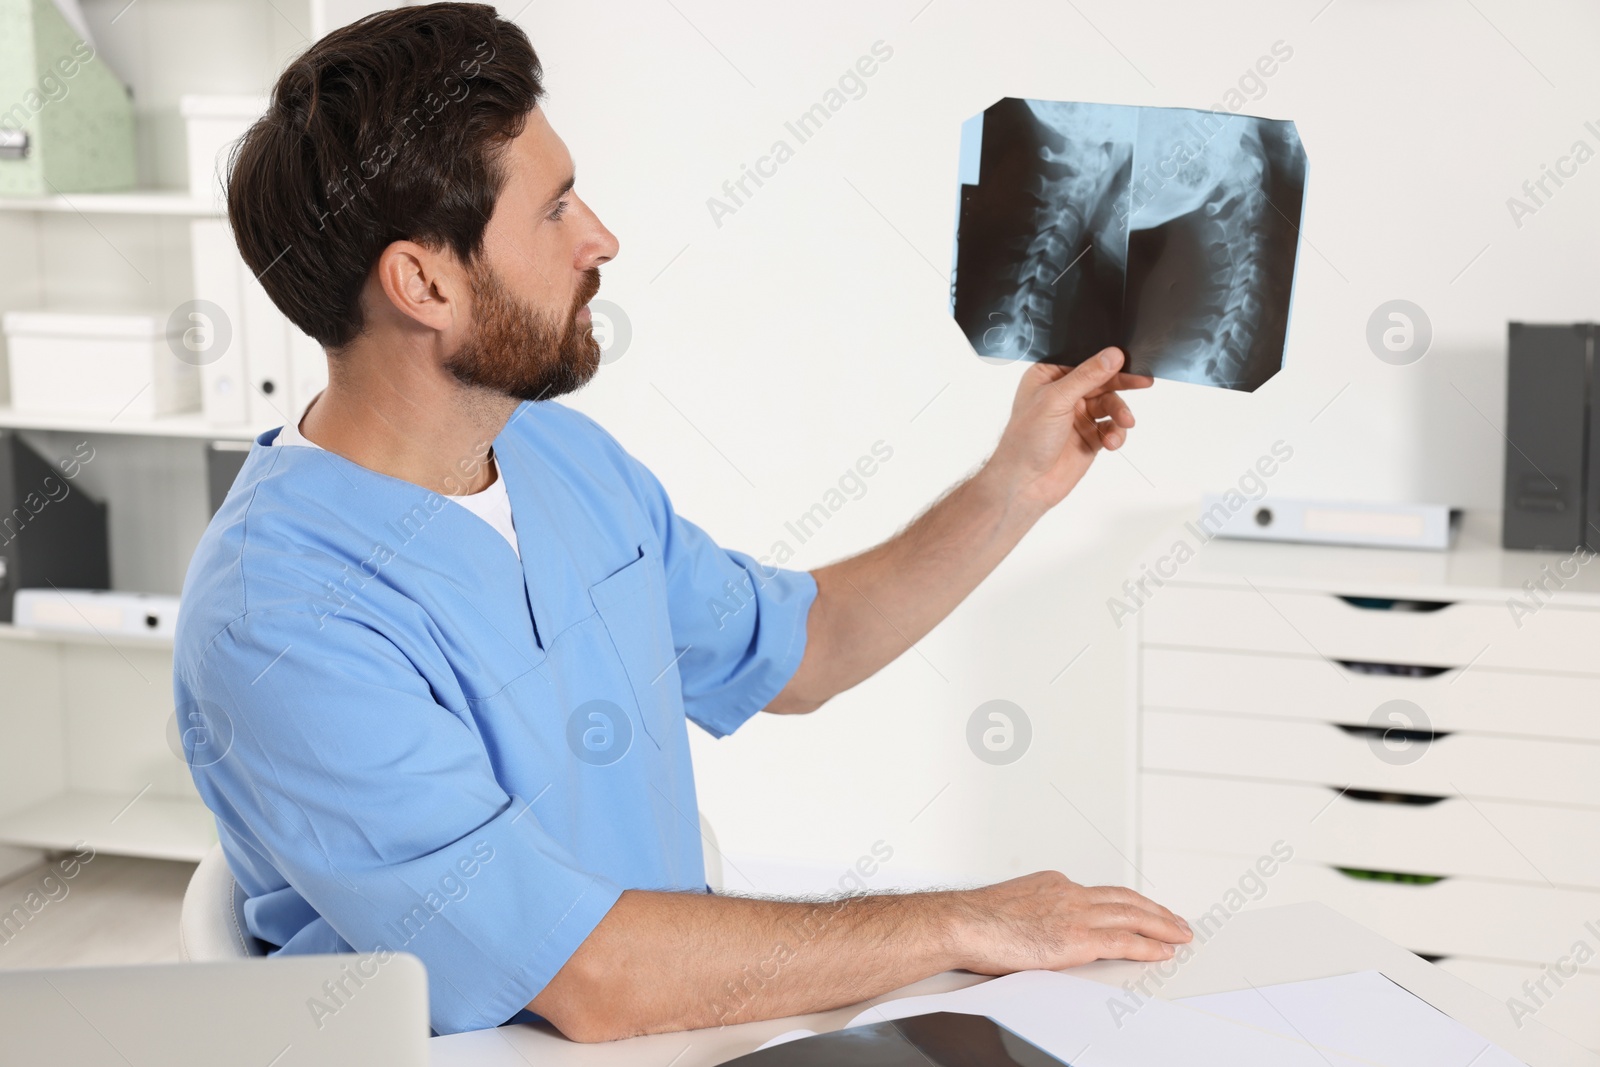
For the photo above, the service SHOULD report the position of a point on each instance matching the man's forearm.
(680, 961)
(677, 961)
(872, 607)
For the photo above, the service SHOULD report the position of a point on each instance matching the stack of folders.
(1049, 1019)
(258, 367)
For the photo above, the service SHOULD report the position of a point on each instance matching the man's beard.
(516, 351)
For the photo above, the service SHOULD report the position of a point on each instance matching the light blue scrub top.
(409, 749)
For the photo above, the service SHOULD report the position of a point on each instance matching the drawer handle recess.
(1391, 670)
(1392, 877)
(1393, 733)
(1377, 603)
(1378, 796)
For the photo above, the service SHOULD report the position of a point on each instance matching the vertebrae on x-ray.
(1073, 194)
(1213, 172)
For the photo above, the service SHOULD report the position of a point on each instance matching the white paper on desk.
(1364, 1015)
(1071, 1018)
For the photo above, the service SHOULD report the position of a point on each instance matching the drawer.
(1505, 921)
(1571, 1008)
(1482, 633)
(1481, 700)
(1450, 837)
(1239, 746)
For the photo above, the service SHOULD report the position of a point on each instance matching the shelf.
(189, 424)
(12, 632)
(177, 202)
(154, 827)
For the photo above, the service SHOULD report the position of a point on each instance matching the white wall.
(772, 351)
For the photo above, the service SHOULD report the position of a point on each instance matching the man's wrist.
(951, 929)
(1008, 493)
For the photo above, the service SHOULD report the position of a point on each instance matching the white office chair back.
(211, 927)
(713, 854)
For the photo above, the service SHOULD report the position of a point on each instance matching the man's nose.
(600, 247)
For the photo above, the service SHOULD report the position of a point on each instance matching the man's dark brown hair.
(388, 129)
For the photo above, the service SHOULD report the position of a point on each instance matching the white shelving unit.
(176, 202)
(12, 632)
(85, 755)
(186, 425)
(156, 827)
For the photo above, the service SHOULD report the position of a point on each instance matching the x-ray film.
(1169, 232)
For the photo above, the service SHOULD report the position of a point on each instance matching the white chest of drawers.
(1417, 732)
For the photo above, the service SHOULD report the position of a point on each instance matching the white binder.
(308, 370)
(266, 349)
(269, 370)
(218, 270)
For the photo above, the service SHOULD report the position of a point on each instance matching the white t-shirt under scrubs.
(492, 505)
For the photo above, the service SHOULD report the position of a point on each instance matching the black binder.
(51, 532)
(223, 462)
(1550, 495)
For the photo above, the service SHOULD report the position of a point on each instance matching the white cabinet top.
(1475, 568)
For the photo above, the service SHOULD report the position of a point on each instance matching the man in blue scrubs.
(440, 646)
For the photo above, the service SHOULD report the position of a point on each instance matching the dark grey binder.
(1591, 511)
(51, 532)
(223, 460)
(1548, 400)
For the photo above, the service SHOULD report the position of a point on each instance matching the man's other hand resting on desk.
(677, 961)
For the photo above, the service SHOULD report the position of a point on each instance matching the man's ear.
(422, 284)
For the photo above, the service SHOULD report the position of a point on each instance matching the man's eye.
(561, 209)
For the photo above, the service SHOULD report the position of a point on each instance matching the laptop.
(283, 1011)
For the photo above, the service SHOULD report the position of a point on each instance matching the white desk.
(1261, 947)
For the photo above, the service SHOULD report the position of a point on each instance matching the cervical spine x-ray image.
(1168, 232)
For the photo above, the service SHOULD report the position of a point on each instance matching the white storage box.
(99, 365)
(212, 124)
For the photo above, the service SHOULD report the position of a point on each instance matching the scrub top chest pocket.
(632, 603)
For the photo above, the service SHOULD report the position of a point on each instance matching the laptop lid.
(286, 1011)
